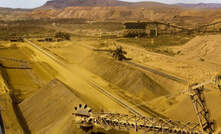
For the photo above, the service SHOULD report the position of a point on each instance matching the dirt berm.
(203, 47)
(184, 109)
(50, 109)
(134, 81)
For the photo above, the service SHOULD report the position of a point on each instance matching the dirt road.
(145, 68)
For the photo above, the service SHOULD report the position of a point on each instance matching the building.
(151, 29)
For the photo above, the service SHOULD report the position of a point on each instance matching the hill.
(109, 13)
(61, 4)
(108, 10)
(200, 5)
(188, 15)
(13, 14)
(204, 47)
(181, 17)
(56, 4)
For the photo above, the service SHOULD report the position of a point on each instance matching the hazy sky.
(37, 3)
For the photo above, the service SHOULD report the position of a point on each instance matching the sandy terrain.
(184, 110)
(186, 65)
(49, 108)
(135, 85)
(75, 64)
(23, 81)
(205, 47)
(8, 115)
(40, 100)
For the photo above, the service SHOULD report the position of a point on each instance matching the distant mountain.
(13, 14)
(4, 9)
(55, 4)
(106, 10)
(61, 4)
(200, 5)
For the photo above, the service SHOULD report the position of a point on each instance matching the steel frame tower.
(201, 110)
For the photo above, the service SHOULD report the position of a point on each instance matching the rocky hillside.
(187, 17)
(61, 4)
(106, 10)
(109, 13)
(56, 4)
(180, 14)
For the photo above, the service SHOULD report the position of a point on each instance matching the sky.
(37, 3)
